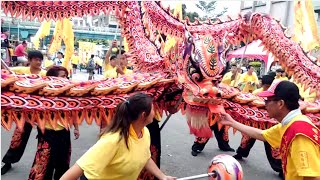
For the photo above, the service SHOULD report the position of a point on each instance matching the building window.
(261, 3)
(247, 4)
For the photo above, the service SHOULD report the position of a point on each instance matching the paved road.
(176, 158)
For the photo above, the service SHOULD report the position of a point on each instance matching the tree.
(209, 8)
(190, 15)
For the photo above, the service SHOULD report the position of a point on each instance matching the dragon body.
(192, 68)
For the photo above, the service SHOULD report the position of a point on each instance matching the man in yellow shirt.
(54, 144)
(20, 138)
(279, 75)
(295, 135)
(122, 68)
(231, 78)
(249, 80)
(111, 72)
(247, 143)
(118, 67)
(75, 61)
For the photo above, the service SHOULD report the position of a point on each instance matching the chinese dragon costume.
(192, 69)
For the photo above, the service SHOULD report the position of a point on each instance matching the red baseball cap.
(285, 90)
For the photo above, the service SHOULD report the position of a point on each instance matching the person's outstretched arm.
(153, 169)
(256, 133)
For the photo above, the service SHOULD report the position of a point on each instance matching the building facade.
(97, 27)
(281, 10)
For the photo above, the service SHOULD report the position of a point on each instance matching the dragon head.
(203, 64)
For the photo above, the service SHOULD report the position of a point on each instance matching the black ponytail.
(127, 112)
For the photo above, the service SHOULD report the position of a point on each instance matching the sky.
(191, 6)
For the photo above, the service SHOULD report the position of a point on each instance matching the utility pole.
(18, 31)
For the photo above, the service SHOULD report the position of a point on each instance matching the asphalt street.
(176, 158)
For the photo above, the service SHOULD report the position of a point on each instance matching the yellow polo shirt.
(245, 78)
(304, 156)
(110, 158)
(282, 78)
(307, 96)
(227, 79)
(127, 71)
(255, 92)
(112, 73)
(47, 63)
(75, 59)
(26, 70)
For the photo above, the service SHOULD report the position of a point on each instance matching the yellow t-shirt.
(26, 70)
(127, 71)
(246, 78)
(11, 52)
(227, 79)
(47, 63)
(255, 92)
(107, 66)
(304, 156)
(99, 61)
(307, 96)
(110, 158)
(75, 59)
(111, 73)
(281, 78)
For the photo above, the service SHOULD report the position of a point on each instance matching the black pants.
(52, 158)
(99, 69)
(246, 145)
(18, 144)
(221, 136)
(275, 163)
(155, 149)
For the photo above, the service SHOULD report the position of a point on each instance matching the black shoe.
(5, 168)
(195, 153)
(227, 149)
(238, 157)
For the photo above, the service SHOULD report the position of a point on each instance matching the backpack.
(91, 65)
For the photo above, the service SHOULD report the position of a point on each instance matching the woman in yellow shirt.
(123, 149)
(52, 158)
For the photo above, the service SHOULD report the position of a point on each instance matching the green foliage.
(190, 15)
(97, 41)
(255, 63)
(209, 9)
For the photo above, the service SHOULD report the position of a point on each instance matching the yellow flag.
(125, 44)
(170, 42)
(305, 25)
(43, 31)
(68, 39)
